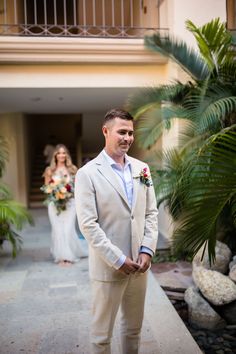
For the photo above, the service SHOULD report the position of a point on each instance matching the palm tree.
(207, 105)
(12, 214)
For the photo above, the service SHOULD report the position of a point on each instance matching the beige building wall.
(12, 128)
(199, 12)
(82, 75)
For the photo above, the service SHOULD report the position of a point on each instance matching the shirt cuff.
(120, 261)
(147, 250)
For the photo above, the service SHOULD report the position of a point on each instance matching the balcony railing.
(76, 18)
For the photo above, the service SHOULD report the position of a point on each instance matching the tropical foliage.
(196, 180)
(12, 214)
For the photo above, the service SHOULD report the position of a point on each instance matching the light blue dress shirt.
(126, 181)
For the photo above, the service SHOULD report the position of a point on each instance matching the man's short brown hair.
(117, 113)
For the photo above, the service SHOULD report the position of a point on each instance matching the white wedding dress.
(65, 242)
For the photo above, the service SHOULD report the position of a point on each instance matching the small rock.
(222, 258)
(200, 312)
(232, 273)
(232, 263)
(217, 288)
(220, 339)
(216, 347)
(228, 336)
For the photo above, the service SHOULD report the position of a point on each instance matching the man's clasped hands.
(141, 266)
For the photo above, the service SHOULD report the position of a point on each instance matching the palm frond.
(169, 178)
(4, 192)
(209, 110)
(213, 41)
(215, 165)
(188, 59)
(149, 129)
(227, 74)
(150, 98)
(14, 213)
(12, 217)
(15, 241)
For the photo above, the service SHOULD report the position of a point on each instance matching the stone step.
(36, 197)
(170, 332)
(35, 190)
(37, 204)
(172, 295)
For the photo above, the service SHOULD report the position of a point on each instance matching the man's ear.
(104, 130)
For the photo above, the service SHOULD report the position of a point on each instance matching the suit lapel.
(106, 170)
(135, 175)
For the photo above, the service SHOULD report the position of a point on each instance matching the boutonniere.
(144, 177)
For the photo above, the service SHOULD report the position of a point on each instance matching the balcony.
(79, 18)
(72, 31)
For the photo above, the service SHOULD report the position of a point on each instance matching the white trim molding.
(75, 50)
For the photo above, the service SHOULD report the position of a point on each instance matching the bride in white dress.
(66, 247)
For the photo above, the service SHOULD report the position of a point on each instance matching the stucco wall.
(199, 12)
(12, 128)
(81, 75)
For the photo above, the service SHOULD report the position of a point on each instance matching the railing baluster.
(35, 12)
(131, 14)
(113, 13)
(45, 12)
(75, 12)
(5, 12)
(15, 13)
(122, 13)
(103, 15)
(25, 12)
(84, 14)
(55, 12)
(65, 19)
(34, 15)
(140, 13)
(94, 13)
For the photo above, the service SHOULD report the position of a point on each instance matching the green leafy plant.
(187, 181)
(13, 215)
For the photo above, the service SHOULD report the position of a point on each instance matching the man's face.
(119, 135)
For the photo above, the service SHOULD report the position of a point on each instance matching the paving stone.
(12, 281)
(62, 341)
(173, 275)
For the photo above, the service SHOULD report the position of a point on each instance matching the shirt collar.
(113, 162)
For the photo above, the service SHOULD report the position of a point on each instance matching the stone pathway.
(45, 308)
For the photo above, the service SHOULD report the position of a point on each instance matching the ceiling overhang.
(15, 49)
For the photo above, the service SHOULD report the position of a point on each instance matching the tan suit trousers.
(107, 297)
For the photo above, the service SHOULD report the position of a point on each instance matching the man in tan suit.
(117, 214)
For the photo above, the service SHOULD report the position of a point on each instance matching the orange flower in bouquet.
(59, 192)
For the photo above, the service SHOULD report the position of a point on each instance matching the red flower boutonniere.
(144, 177)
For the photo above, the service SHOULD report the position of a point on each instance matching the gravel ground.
(211, 342)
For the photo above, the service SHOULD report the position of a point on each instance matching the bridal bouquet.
(59, 192)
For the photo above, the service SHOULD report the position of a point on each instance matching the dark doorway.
(64, 128)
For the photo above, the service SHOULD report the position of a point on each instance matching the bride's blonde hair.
(68, 162)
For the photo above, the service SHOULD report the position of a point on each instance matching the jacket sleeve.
(85, 200)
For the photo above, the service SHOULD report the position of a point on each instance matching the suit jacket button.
(132, 217)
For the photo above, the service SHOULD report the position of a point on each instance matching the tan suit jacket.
(106, 220)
